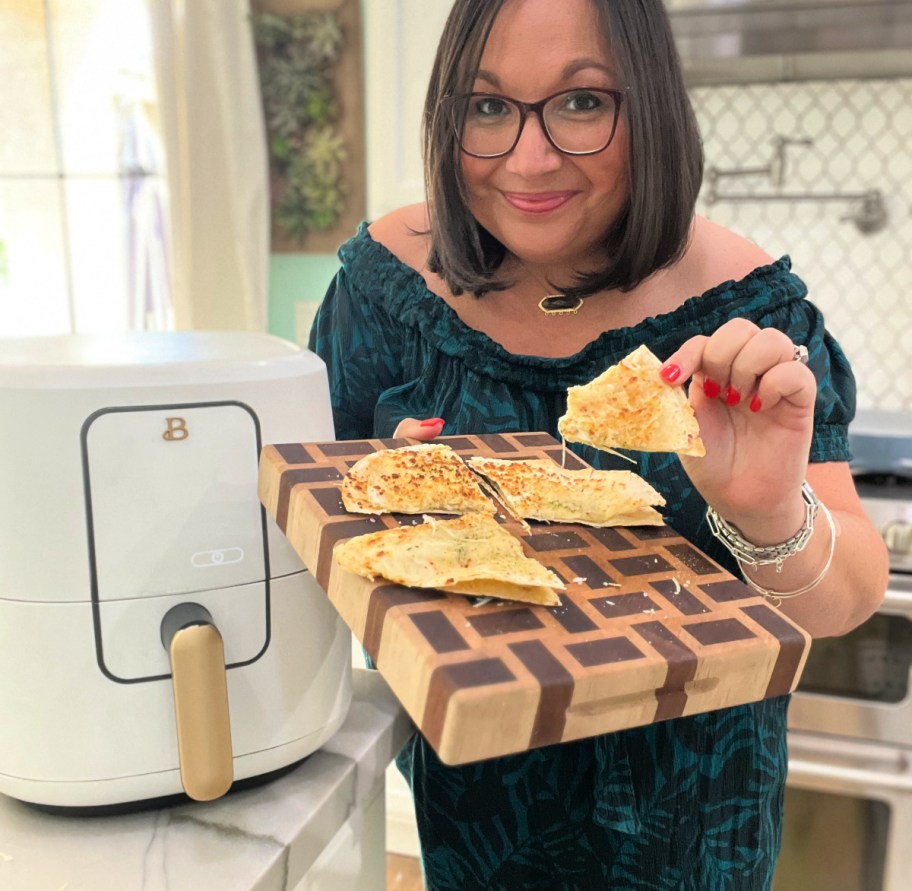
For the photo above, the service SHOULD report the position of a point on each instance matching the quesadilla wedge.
(472, 554)
(418, 479)
(539, 489)
(629, 407)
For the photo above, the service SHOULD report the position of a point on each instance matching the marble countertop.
(261, 839)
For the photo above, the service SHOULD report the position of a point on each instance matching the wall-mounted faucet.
(774, 169)
(869, 216)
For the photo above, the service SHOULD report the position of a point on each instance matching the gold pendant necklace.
(560, 304)
(555, 304)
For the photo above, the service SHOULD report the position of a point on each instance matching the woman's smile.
(538, 203)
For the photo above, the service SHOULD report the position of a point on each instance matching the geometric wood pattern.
(648, 629)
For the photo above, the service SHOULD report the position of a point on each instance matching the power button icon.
(219, 557)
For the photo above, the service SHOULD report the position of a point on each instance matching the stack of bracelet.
(748, 554)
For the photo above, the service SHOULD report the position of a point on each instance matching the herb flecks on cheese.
(629, 407)
(417, 479)
(472, 554)
(539, 489)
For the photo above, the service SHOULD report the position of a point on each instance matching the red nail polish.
(671, 372)
(755, 404)
(711, 388)
(732, 396)
(432, 422)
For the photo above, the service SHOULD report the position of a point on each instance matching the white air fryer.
(158, 635)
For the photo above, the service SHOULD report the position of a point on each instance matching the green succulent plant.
(314, 191)
(296, 58)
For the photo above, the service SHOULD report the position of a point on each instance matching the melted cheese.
(629, 407)
(539, 489)
(418, 479)
(472, 554)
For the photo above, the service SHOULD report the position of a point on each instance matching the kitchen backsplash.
(850, 137)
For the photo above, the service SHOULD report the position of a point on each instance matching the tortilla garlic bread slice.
(539, 489)
(629, 407)
(471, 554)
(416, 479)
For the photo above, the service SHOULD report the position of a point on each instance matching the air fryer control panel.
(173, 515)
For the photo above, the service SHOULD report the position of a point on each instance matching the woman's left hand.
(412, 428)
(755, 407)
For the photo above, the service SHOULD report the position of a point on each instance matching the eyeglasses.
(581, 121)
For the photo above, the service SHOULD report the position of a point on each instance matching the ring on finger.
(800, 354)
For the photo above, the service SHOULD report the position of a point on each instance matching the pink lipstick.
(537, 202)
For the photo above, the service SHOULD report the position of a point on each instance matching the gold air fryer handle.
(200, 683)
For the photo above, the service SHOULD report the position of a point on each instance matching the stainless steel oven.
(848, 817)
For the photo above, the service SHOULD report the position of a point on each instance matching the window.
(84, 237)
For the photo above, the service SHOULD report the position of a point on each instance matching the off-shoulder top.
(690, 803)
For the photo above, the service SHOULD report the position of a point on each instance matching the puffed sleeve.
(776, 297)
(356, 339)
(836, 389)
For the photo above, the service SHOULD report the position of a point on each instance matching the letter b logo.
(177, 429)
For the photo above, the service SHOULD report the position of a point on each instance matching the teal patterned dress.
(692, 803)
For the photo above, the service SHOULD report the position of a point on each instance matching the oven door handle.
(896, 601)
(863, 782)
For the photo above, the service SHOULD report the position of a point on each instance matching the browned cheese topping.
(629, 407)
(427, 478)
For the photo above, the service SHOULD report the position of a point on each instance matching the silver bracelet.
(761, 555)
(776, 597)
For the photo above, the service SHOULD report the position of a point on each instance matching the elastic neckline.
(402, 293)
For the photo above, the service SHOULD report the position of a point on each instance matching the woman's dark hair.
(666, 155)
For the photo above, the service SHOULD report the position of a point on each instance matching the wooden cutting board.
(649, 628)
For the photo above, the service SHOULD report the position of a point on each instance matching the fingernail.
(432, 422)
(755, 404)
(671, 372)
(732, 396)
(711, 388)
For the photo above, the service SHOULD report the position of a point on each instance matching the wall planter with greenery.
(309, 152)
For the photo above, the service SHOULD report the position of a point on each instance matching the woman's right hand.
(412, 428)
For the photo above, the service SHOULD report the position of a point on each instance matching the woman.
(563, 164)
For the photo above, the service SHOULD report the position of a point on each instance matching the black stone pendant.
(558, 304)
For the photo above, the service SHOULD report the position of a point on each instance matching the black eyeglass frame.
(536, 108)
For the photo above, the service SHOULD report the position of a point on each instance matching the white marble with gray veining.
(262, 839)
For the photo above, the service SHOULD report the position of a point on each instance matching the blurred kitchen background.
(137, 166)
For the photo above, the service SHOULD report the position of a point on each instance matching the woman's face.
(549, 209)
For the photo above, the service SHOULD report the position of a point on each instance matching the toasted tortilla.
(539, 489)
(497, 590)
(472, 554)
(418, 479)
(629, 407)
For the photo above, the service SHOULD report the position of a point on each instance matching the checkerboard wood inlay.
(649, 628)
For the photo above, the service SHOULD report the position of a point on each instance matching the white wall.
(861, 134)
